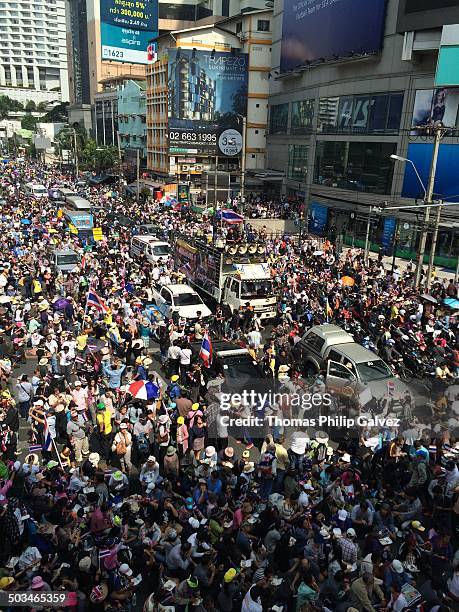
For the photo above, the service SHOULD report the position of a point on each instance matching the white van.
(151, 247)
(35, 190)
(77, 203)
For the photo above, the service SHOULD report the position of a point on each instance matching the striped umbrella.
(143, 389)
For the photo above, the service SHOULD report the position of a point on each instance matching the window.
(239, 27)
(364, 114)
(334, 356)
(297, 162)
(315, 342)
(356, 166)
(302, 116)
(339, 371)
(263, 25)
(278, 119)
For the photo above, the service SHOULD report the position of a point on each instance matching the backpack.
(143, 444)
(121, 446)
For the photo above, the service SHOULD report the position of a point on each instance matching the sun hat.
(210, 451)
(51, 464)
(94, 458)
(397, 566)
(180, 420)
(123, 425)
(163, 418)
(248, 467)
(170, 451)
(342, 514)
(229, 452)
(230, 575)
(174, 378)
(118, 475)
(77, 383)
(37, 582)
(193, 582)
(34, 457)
(125, 569)
(43, 361)
(346, 458)
(85, 564)
(337, 532)
(6, 581)
(147, 361)
(417, 525)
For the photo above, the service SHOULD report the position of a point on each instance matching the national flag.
(47, 439)
(105, 552)
(328, 310)
(206, 350)
(230, 216)
(391, 388)
(34, 448)
(95, 301)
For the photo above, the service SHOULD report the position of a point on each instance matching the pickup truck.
(350, 368)
(181, 299)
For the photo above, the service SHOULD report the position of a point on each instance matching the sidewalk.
(402, 264)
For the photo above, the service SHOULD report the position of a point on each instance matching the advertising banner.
(446, 178)
(183, 193)
(388, 236)
(318, 217)
(432, 105)
(315, 30)
(207, 98)
(126, 29)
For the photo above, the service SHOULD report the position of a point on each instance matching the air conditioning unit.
(242, 36)
(221, 167)
(184, 168)
(196, 168)
(233, 167)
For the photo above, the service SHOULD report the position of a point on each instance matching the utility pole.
(120, 160)
(439, 132)
(244, 148)
(367, 237)
(76, 152)
(138, 176)
(215, 182)
(433, 248)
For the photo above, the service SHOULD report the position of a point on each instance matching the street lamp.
(409, 161)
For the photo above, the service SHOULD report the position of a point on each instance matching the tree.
(57, 114)
(28, 122)
(8, 105)
(30, 107)
(98, 159)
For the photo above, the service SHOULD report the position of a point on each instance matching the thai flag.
(33, 448)
(105, 552)
(231, 217)
(206, 350)
(96, 302)
(47, 439)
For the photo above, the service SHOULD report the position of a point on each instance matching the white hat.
(351, 532)
(94, 458)
(125, 569)
(397, 566)
(210, 451)
(342, 515)
(194, 522)
(163, 418)
(77, 383)
(386, 541)
(123, 426)
(337, 532)
(324, 533)
(346, 458)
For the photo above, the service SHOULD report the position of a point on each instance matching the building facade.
(335, 121)
(33, 52)
(183, 89)
(132, 121)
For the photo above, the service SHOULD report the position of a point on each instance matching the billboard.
(207, 99)
(446, 178)
(318, 218)
(432, 105)
(322, 29)
(126, 29)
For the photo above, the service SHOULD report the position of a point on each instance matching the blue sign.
(318, 217)
(325, 29)
(126, 29)
(388, 236)
(446, 178)
(80, 220)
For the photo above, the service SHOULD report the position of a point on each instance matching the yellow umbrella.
(347, 281)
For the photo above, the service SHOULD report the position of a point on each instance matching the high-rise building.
(33, 51)
(351, 82)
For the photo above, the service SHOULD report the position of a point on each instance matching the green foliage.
(8, 105)
(98, 159)
(58, 114)
(30, 107)
(28, 122)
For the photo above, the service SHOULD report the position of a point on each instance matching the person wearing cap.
(182, 435)
(80, 396)
(122, 446)
(76, 431)
(104, 429)
(229, 590)
(187, 592)
(149, 474)
(395, 574)
(173, 390)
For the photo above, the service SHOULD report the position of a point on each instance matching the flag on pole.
(47, 439)
(34, 448)
(95, 301)
(206, 350)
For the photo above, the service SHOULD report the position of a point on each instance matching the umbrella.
(429, 298)
(451, 302)
(347, 281)
(26, 221)
(4, 299)
(60, 304)
(143, 389)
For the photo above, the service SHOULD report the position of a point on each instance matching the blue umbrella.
(452, 303)
(61, 304)
(26, 221)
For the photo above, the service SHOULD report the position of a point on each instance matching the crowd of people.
(119, 483)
